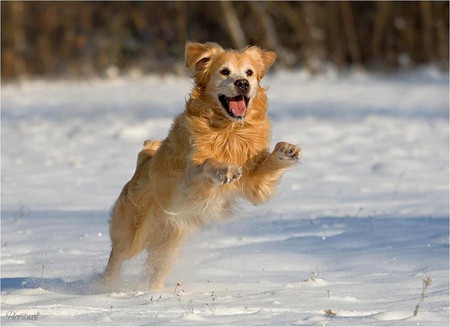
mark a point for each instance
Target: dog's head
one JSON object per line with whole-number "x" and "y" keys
{"x": 231, "y": 78}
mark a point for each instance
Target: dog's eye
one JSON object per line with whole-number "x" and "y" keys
{"x": 249, "y": 72}
{"x": 225, "y": 72}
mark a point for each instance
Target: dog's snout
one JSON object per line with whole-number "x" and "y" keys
{"x": 242, "y": 85}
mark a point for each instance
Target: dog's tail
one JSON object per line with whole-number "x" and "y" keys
{"x": 150, "y": 148}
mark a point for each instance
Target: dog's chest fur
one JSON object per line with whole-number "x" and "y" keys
{"x": 234, "y": 144}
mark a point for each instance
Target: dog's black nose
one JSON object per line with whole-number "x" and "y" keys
{"x": 243, "y": 85}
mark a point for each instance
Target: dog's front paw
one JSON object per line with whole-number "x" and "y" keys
{"x": 222, "y": 174}
{"x": 287, "y": 152}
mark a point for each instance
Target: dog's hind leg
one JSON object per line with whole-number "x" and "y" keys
{"x": 121, "y": 251}
{"x": 127, "y": 236}
{"x": 113, "y": 267}
{"x": 163, "y": 253}
{"x": 126, "y": 230}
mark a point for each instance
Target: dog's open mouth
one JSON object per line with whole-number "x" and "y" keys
{"x": 236, "y": 106}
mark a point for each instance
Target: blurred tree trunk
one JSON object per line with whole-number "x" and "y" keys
{"x": 427, "y": 30}
{"x": 18, "y": 41}
{"x": 382, "y": 17}
{"x": 44, "y": 47}
{"x": 350, "y": 32}
{"x": 270, "y": 40}
{"x": 232, "y": 25}
{"x": 315, "y": 23}
{"x": 337, "y": 43}
{"x": 295, "y": 20}
{"x": 181, "y": 21}
{"x": 442, "y": 34}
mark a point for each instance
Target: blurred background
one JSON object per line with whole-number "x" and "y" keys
{"x": 108, "y": 39}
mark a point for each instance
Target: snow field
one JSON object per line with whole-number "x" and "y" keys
{"x": 354, "y": 230}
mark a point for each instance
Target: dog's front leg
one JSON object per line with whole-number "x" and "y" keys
{"x": 201, "y": 180}
{"x": 262, "y": 179}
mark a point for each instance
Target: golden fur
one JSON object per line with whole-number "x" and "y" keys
{"x": 208, "y": 160}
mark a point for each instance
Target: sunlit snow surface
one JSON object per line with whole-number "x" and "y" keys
{"x": 348, "y": 240}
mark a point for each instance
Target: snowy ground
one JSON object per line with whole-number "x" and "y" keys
{"x": 353, "y": 232}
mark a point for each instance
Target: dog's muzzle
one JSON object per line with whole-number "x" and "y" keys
{"x": 236, "y": 106}
{"x": 243, "y": 86}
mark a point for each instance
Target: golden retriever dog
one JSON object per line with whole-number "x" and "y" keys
{"x": 216, "y": 152}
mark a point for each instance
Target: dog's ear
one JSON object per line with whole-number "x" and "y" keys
{"x": 198, "y": 55}
{"x": 265, "y": 59}
{"x": 268, "y": 58}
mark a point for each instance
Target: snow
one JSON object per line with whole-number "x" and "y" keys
{"x": 348, "y": 240}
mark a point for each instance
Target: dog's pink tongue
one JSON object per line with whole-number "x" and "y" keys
{"x": 237, "y": 106}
